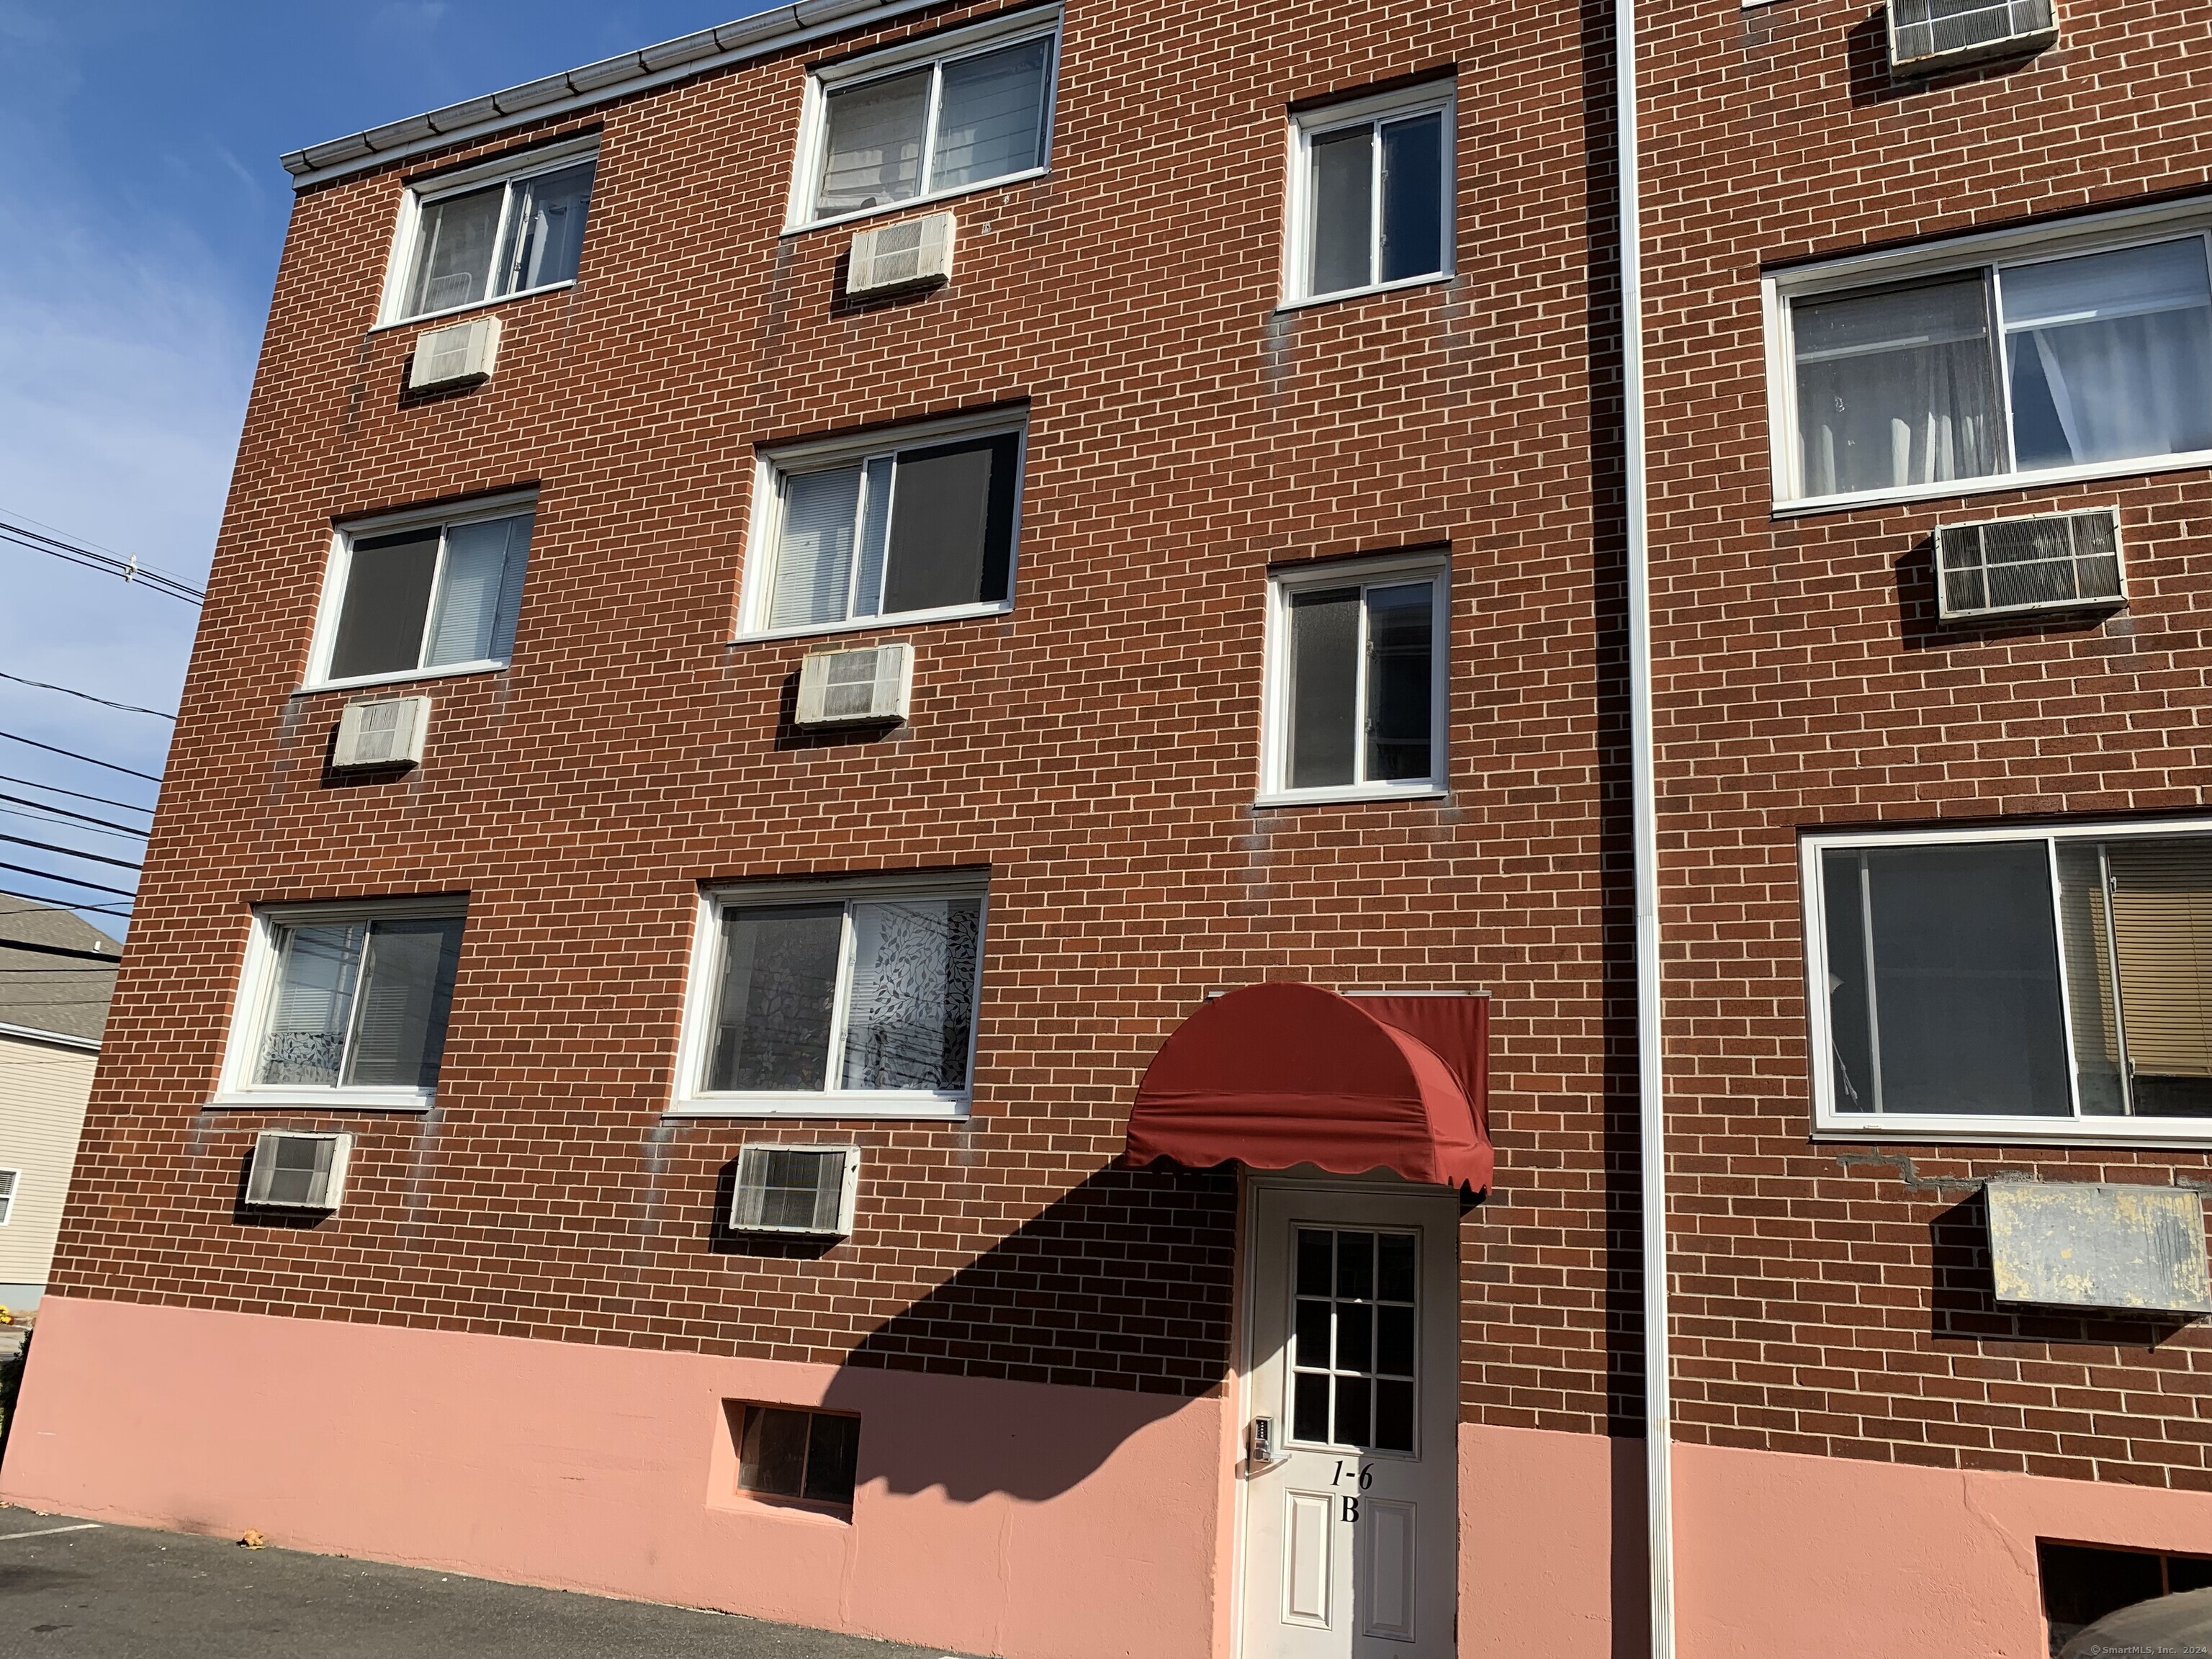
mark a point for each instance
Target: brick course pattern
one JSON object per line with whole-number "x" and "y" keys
{"x": 1097, "y": 749}
{"x": 1831, "y": 1298}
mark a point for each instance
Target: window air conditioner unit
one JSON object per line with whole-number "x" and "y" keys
{"x": 2059, "y": 562}
{"x": 293, "y": 1170}
{"x": 381, "y": 732}
{"x": 1927, "y": 37}
{"x": 915, "y": 254}
{"x": 804, "y": 1191}
{"x": 455, "y": 355}
{"x": 856, "y": 688}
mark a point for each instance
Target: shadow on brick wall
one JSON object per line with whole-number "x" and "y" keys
{"x": 1124, "y": 1284}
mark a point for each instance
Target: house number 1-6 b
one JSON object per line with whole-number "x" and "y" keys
{"x": 1365, "y": 1477}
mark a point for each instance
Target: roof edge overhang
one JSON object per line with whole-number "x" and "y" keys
{"x": 573, "y": 90}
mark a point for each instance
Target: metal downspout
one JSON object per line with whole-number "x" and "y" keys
{"x": 1658, "y": 1426}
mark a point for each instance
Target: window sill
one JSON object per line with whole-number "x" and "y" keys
{"x": 451, "y": 312}
{"x": 326, "y": 1100}
{"x": 863, "y": 624}
{"x": 406, "y": 676}
{"x": 1433, "y": 280}
{"x": 838, "y": 1103}
{"x": 1995, "y": 484}
{"x": 805, "y": 1512}
{"x": 910, "y": 202}
{"x": 1901, "y": 1128}
{"x": 1365, "y": 797}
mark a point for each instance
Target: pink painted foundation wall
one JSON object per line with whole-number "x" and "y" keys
{"x": 992, "y": 1517}
{"x": 1813, "y": 1558}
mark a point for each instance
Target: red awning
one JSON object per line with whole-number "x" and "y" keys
{"x": 1277, "y": 1075}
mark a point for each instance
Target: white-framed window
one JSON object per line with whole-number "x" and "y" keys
{"x": 838, "y": 999}
{"x": 2019, "y": 984}
{"x": 1372, "y": 194}
{"x": 344, "y": 1005}
{"x": 1354, "y": 701}
{"x": 928, "y": 118}
{"x": 415, "y": 596}
{"x": 913, "y": 523}
{"x": 511, "y": 226}
{"x": 10, "y": 1182}
{"x": 1993, "y": 362}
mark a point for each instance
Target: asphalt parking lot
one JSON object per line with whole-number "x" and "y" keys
{"x": 69, "y": 1587}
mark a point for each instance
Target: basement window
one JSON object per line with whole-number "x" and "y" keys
{"x": 2082, "y": 1582}
{"x": 2044, "y": 984}
{"x": 807, "y": 1456}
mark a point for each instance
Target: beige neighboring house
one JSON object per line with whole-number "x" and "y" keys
{"x": 53, "y": 1005}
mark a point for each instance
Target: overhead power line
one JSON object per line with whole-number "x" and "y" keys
{"x": 51, "y": 903}
{"x": 7, "y": 944}
{"x": 70, "y": 851}
{"x": 33, "y": 742}
{"x": 130, "y": 570}
{"x": 72, "y": 881}
{"x": 104, "y": 702}
{"x": 64, "y": 812}
{"x": 74, "y": 794}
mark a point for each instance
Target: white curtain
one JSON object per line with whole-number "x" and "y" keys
{"x": 2113, "y": 348}
{"x": 1894, "y": 388}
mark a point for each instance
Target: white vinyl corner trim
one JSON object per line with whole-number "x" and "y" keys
{"x": 1650, "y": 1063}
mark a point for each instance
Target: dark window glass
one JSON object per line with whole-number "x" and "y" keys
{"x": 833, "y": 1451}
{"x": 1310, "y": 1407}
{"x": 1393, "y": 1341}
{"x": 1324, "y": 670}
{"x": 1316, "y": 1272}
{"x": 1394, "y": 1258}
{"x": 1394, "y": 1416}
{"x": 545, "y": 229}
{"x": 1355, "y": 1265}
{"x": 388, "y": 599}
{"x": 1313, "y": 1331}
{"x": 1343, "y": 209}
{"x": 1354, "y": 1424}
{"x": 1355, "y": 1337}
{"x": 779, "y": 989}
{"x": 952, "y": 522}
{"x": 774, "y": 1456}
{"x": 1401, "y": 681}
{"x": 1412, "y": 198}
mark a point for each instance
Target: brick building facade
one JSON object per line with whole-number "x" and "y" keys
{"x": 540, "y": 1338}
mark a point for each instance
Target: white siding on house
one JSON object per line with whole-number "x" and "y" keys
{"x": 43, "y": 1090}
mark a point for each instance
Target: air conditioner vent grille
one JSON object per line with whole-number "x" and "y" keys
{"x": 856, "y": 687}
{"x": 915, "y": 253}
{"x": 1926, "y": 36}
{"x": 294, "y": 1170}
{"x": 455, "y": 355}
{"x": 2062, "y": 561}
{"x": 804, "y": 1190}
{"x": 380, "y": 731}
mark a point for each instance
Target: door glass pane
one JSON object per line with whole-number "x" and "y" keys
{"x": 483, "y": 561}
{"x": 1353, "y": 1321}
{"x": 779, "y": 989}
{"x": 912, "y": 1006}
{"x": 407, "y": 987}
{"x": 1895, "y": 388}
{"x": 1412, "y": 198}
{"x": 453, "y": 250}
{"x": 317, "y": 972}
{"x": 545, "y": 234}
{"x": 814, "y": 553}
{"x": 1343, "y": 209}
{"x": 2111, "y": 355}
{"x": 1966, "y": 1011}
{"x": 1400, "y": 680}
{"x": 873, "y": 152}
{"x": 1324, "y": 690}
{"x": 990, "y": 115}
{"x": 388, "y": 599}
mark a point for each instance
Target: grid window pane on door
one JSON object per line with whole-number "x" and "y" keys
{"x": 1354, "y": 1320}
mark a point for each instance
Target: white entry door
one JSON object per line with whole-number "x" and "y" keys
{"x": 1351, "y": 1538}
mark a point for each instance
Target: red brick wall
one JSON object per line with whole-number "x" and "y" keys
{"x": 1827, "y": 1294}
{"x": 1097, "y": 749}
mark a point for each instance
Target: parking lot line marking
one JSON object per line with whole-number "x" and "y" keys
{"x": 47, "y": 1532}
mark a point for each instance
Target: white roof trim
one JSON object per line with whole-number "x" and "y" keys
{"x": 59, "y": 1039}
{"x": 757, "y": 36}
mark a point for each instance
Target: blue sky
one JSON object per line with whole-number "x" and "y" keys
{"x": 140, "y": 218}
